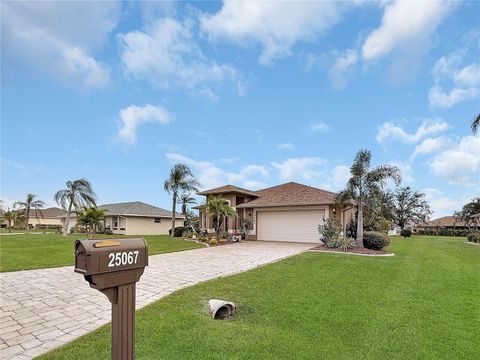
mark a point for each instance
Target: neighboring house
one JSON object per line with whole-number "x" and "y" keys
{"x": 448, "y": 222}
{"x": 134, "y": 218}
{"x": 287, "y": 212}
{"x": 49, "y": 216}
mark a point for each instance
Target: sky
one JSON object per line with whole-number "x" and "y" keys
{"x": 247, "y": 93}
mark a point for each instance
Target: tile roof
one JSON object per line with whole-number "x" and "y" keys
{"x": 290, "y": 194}
{"x": 136, "y": 208}
{"x": 228, "y": 189}
{"x": 444, "y": 221}
{"x": 52, "y": 212}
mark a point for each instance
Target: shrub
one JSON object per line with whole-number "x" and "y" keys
{"x": 406, "y": 233}
{"x": 188, "y": 234}
{"x": 222, "y": 234}
{"x": 213, "y": 242}
{"x": 345, "y": 244}
{"x": 330, "y": 231}
{"x": 203, "y": 238}
{"x": 179, "y": 231}
{"x": 375, "y": 240}
{"x": 474, "y": 237}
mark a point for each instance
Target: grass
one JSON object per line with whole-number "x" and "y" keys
{"x": 38, "y": 251}
{"x": 421, "y": 303}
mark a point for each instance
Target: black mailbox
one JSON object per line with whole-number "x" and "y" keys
{"x": 114, "y": 266}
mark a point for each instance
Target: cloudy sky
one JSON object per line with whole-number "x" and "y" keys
{"x": 252, "y": 94}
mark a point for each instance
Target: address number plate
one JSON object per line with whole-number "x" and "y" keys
{"x": 123, "y": 258}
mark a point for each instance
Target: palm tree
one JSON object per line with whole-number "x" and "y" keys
{"x": 91, "y": 218}
{"x": 218, "y": 206}
{"x": 27, "y": 205}
{"x": 476, "y": 124}
{"x": 185, "y": 200}
{"x": 10, "y": 216}
{"x": 181, "y": 179}
{"x": 365, "y": 181}
{"x": 78, "y": 194}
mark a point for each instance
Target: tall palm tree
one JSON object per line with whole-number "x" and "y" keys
{"x": 180, "y": 179}
{"x": 476, "y": 124}
{"x": 79, "y": 194}
{"x": 184, "y": 200}
{"x": 29, "y": 204}
{"x": 365, "y": 181}
{"x": 216, "y": 205}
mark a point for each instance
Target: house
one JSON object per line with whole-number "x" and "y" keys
{"x": 134, "y": 218}
{"x": 43, "y": 217}
{"x": 287, "y": 212}
{"x": 448, "y": 222}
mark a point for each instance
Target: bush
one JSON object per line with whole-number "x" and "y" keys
{"x": 213, "y": 242}
{"x": 179, "y": 231}
{"x": 345, "y": 244}
{"x": 375, "y": 240}
{"x": 330, "y": 231}
{"x": 188, "y": 234}
{"x": 474, "y": 237}
{"x": 406, "y": 233}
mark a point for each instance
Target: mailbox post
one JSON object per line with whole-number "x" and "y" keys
{"x": 114, "y": 266}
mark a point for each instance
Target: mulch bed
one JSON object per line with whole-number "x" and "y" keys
{"x": 359, "y": 251}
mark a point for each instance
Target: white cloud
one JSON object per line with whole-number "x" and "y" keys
{"x": 461, "y": 163}
{"x": 389, "y": 131}
{"x": 38, "y": 35}
{"x": 464, "y": 81}
{"x": 133, "y": 116}
{"x": 166, "y": 54}
{"x": 318, "y": 126}
{"x": 286, "y": 146}
{"x": 342, "y": 68}
{"x": 430, "y": 144}
{"x": 211, "y": 176}
{"x": 443, "y": 205}
{"x": 406, "y": 25}
{"x": 308, "y": 168}
{"x": 277, "y": 26}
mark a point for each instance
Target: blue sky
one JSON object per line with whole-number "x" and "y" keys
{"x": 253, "y": 94}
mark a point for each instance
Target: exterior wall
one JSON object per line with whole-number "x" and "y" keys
{"x": 71, "y": 224}
{"x": 45, "y": 221}
{"x": 146, "y": 225}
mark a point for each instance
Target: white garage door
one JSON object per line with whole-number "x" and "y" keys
{"x": 296, "y": 226}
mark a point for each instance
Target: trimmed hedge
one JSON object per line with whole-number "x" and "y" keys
{"x": 179, "y": 231}
{"x": 443, "y": 232}
{"x": 375, "y": 240}
{"x": 474, "y": 237}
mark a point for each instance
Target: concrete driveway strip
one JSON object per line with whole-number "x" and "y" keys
{"x": 46, "y": 308}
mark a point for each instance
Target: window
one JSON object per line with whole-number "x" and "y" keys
{"x": 115, "y": 224}
{"x": 157, "y": 220}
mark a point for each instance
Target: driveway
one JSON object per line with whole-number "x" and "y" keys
{"x": 46, "y": 308}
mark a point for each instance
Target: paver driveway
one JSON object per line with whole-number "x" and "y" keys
{"x": 43, "y": 309}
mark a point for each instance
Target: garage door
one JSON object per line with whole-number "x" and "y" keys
{"x": 296, "y": 226}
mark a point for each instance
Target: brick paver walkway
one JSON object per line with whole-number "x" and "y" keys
{"x": 43, "y": 309}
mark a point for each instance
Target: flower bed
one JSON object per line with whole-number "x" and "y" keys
{"x": 355, "y": 250}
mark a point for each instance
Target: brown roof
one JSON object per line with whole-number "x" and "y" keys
{"x": 228, "y": 189}
{"x": 444, "y": 221}
{"x": 290, "y": 194}
{"x": 47, "y": 213}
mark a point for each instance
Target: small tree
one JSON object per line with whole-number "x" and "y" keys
{"x": 10, "y": 216}
{"x": 78, "y": 195}
{"x": 245, "y": 225}
{"x": 330, "y": 231}
{"x": 409, "y": 207}
{"x": 29, "y": 204}
{"x": 218, "y": 206}
{"x": 468, "y": 211}
{"x": 365, "y": 181}
{"x": 91, "y": 218}
{"x": 180, "y": 179}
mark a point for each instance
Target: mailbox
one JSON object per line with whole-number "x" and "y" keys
{"x": 114, "y": 266}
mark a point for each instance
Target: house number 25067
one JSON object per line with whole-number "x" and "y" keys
{"x": 123, "y": 258}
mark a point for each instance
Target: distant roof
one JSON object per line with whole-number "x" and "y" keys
{"x": 52, "y": 212}
{"x": 290, "y": 194}
{"x": 136, "y": 208}
{"x": 228, "y": 189}
{"x": 444, "y": 221}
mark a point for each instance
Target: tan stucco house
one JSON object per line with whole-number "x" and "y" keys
{"x": 287, "y": 212}
{"x": 49, "y": 216}
{"x": 135, "y": 218}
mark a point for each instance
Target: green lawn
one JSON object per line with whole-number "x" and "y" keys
{"x": 422, "y": 303}
{"x": 37, "y": 251}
